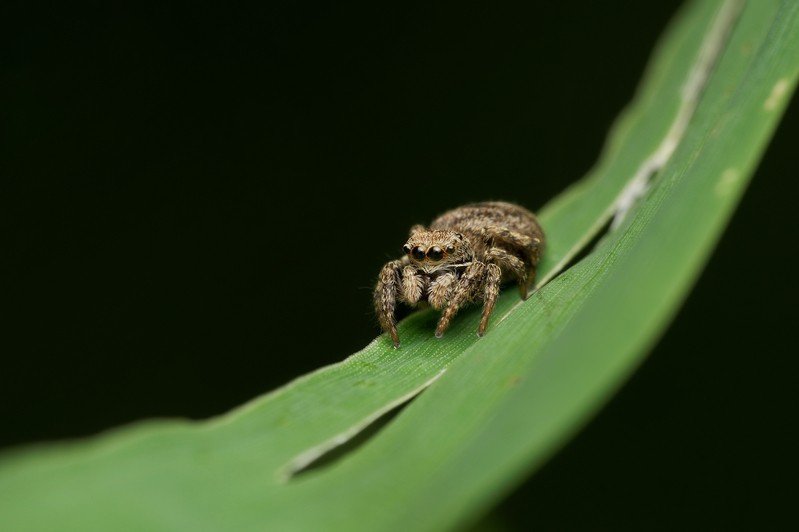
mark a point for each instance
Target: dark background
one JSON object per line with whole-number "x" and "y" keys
{"x": 190, "y": 193}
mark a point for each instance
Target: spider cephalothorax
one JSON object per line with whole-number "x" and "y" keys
{"x": 463, "y": 256}
{"x": 434, "y": 250}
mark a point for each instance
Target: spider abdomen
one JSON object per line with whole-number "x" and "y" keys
{"x": 496, "y": 224}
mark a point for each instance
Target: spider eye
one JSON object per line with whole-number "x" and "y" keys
{"x": 435, "y": 253}
{"x": 406, "y": 248}
{"x": 418, "y": 253}
{"x": 450, "y": 249}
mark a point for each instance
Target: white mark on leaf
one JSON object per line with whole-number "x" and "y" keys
{"x": 729, "y": 178}
{"x": 776, "y": 96}
{"x": 690, "y": 93}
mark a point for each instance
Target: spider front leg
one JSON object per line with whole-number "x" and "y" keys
{"x": 385, "y": 297}
{"x": 441, "y": 289}
{"x": 412, "y": 285}
{"x": 463, "y": 292}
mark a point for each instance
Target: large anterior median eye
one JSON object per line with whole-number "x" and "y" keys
{"x": 418, "y": 253}
{"x": 435, "y": 253}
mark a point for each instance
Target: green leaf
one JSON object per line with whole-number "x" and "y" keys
{"x": 494, "y": 408}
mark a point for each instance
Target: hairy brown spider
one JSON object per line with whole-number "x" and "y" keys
{"x": 462, "y": 257}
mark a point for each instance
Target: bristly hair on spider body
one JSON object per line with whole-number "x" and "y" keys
{"x": 462, "y": 257}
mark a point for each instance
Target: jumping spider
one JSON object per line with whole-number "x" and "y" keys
{"x": 462, "y": 257}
